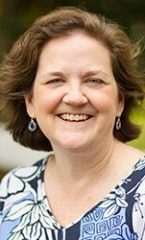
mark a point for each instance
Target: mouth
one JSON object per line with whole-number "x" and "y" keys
{"x": 74, "y": 117}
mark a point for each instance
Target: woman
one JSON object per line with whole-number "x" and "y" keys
{"x": 69, "y": 85}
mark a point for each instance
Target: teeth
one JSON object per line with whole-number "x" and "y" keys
{"x": 74, "y": 117}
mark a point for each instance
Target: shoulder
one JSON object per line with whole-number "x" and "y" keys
{"x": 127, "y": 155}
{"x": 18, "y": 183}
{"x": 13, "y": 182}
{"x": 20, "y": 191}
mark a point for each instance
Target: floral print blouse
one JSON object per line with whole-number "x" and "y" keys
{"x": 25, "y": 213}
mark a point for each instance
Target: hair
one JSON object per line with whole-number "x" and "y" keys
{"x": 19, "y": 67}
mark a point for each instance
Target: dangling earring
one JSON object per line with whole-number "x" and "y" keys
{"x": 118, "y": 123}
{"x": 32, "y": 126}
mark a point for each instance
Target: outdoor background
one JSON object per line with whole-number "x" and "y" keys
{"x": 16, "y": 16}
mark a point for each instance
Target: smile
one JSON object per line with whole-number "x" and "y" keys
{"x": 74, "y": 117}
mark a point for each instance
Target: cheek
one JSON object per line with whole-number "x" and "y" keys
{"x": 47, "y": 100}
{"x": 104, "y": 102}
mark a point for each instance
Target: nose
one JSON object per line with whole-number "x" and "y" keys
{"x": 75, "y": 97}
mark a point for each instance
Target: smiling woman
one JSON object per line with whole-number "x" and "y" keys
{"x": 75, "y": 93}
{"x": 69, "y": 85}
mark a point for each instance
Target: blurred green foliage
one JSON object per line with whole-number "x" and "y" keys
{"x": 16, "y": 15}
{"x": 138, "y": 117}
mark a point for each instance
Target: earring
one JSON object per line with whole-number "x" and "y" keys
{"x": 32, "y": 126}
{"x": 118, "y": 123}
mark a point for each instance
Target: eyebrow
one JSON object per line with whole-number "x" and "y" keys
{"x": 55, "y": 73}
{"x": 95, "y": 72}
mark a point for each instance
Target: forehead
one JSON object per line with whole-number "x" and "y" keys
{"x": 76, "y": 42}
{"x": 75, "y": 52}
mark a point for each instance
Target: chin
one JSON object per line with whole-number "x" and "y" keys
{"x": 75, "y": 145}
{"x": 72, "y": 142}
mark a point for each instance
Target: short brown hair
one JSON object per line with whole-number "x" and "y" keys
{"x": 19, "y": 68}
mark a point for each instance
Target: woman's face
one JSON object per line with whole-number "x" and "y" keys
{"x": 75, "y": 96}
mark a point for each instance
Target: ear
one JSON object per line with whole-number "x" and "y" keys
{"x": 30, "y": 105}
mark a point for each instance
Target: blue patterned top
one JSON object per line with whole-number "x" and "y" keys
{"x": 25, "y": 213}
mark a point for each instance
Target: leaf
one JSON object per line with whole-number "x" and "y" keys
{"x": 20, "y": 209}
{"x": 25, "y": 220}
{"x": 16, "y": 236}
{"x": 15, "y": 185}
{"x": 43, "y": 210}
{"x": 33, "y": 231}
{"x": 35, "y": 214}
{"x": 110, "y": 211}
{"x": 121, "y": 202}
{"x": 26, "y": 172}
{"x": 4, "y": 186}
{"x": 107, "y": 203}
{"x": 47, "y": 222}
{"x": 126, "y": 232}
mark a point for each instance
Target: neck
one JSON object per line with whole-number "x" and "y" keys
{"x": 72, "y": 166}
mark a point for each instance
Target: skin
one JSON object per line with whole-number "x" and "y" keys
{"x": 75, "y": 77}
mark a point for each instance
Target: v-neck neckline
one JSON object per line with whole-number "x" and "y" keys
{"x": 77, "y": 220}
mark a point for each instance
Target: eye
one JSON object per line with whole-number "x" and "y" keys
{"x": 95, "y": 81}
{"x": 55, "y": 81}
